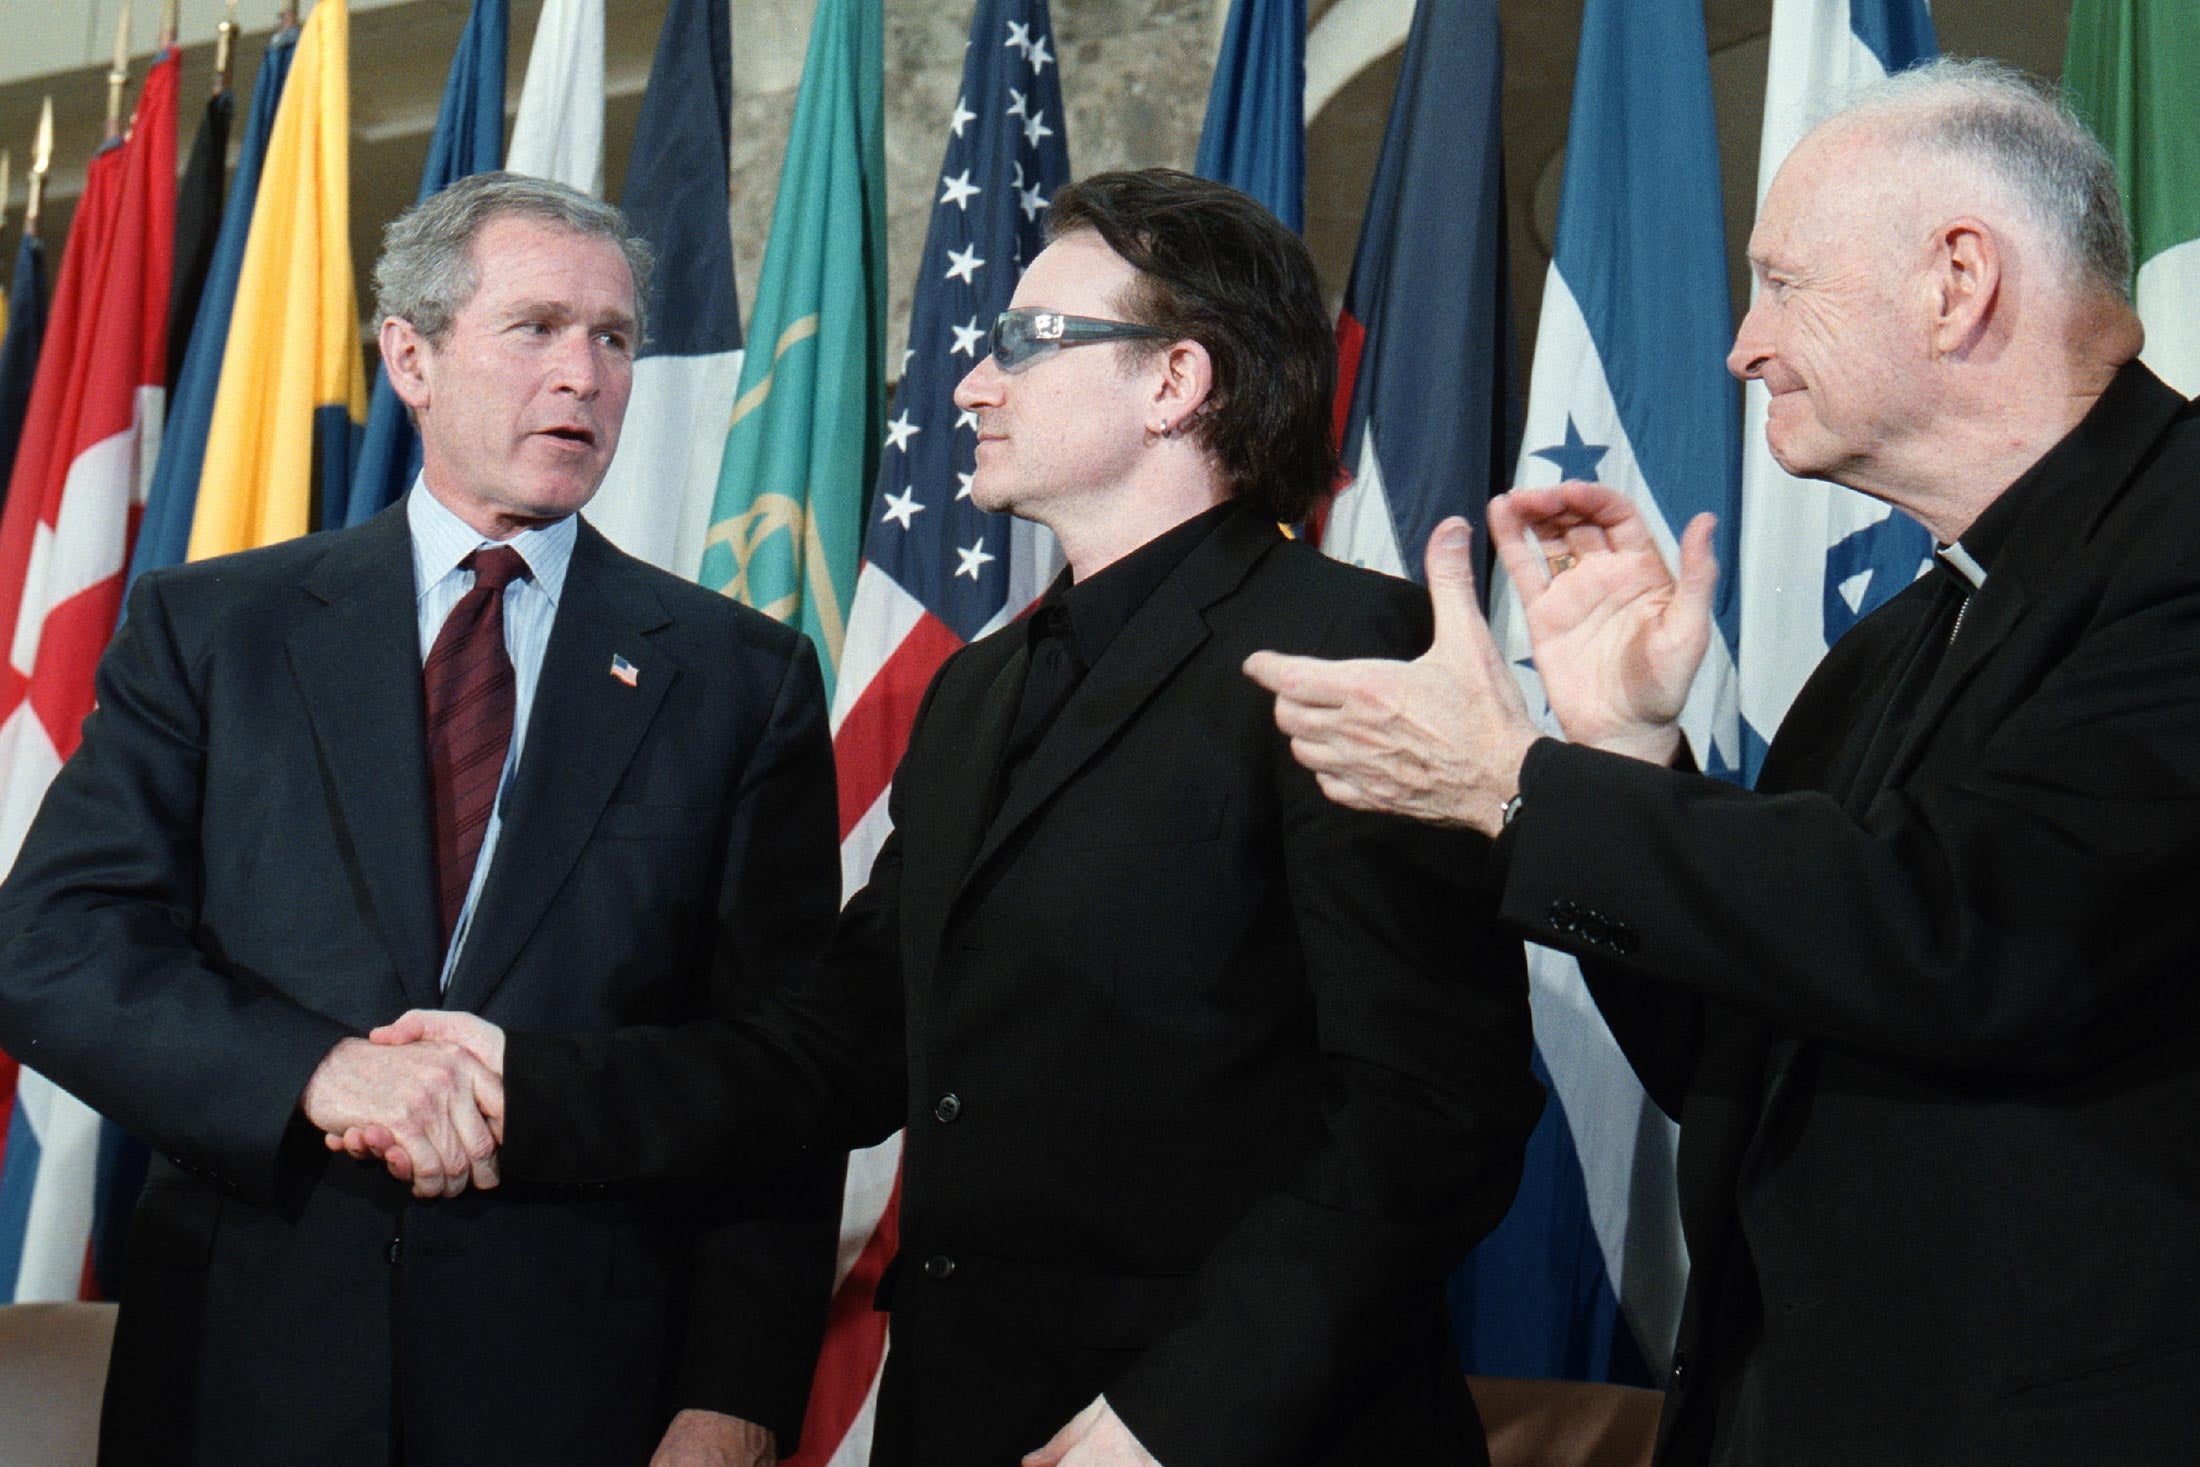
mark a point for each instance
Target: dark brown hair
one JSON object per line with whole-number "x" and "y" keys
{"x": 1216, "y": 268}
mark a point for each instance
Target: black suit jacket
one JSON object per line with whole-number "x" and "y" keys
{"x": 235, "y": 871}
{"x": 1933, "y": 1035}
{"x": 1208, "y": 1082}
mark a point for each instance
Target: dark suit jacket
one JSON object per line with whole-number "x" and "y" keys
{"x": 234, "y": 873}
{"x": 1937, "y": 1081}
{"x": 1208, "y": 1082}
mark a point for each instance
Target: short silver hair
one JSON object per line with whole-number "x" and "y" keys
{"x": 1993, "y": 119}
{"x": 427, "y": 272}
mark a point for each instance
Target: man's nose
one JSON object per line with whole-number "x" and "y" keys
{"x": 578, "y": 366}
{"x": 980, "y": 385}
{"x": 1752, "y": 343}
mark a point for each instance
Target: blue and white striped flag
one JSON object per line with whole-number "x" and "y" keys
{"x": 1815, "y": 557}
{"x": 558, "y": 131}
{"x": 656, "y": 500}
{"x": 1629, "y": 388}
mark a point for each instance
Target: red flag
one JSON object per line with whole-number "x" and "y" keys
{"x": 88, "y": 446}
{"x": 73, "y": 504}
{"x": 76, "y": 295}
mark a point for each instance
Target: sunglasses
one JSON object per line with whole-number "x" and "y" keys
{"x": 1026, "y": 334}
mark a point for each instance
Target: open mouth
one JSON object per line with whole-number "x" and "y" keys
{"x": 578, "y": 437}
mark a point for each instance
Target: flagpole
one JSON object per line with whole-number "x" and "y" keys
{"x": 7, "y": 162}
{"x": 118, "y": 77}
{"x": 167, "y": 26}
{"x": 41, "y": 161}
{"x": 225, "y": 49}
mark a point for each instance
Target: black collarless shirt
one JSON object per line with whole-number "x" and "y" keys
{"x": 1075, "y": 623}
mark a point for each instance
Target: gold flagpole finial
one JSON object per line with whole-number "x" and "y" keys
{"x": 41, "y": 161}
{"x": 118, "y": 79}
{"x": 225, "y": 49}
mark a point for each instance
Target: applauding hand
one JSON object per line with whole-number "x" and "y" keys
{"x": 1617, "y": 637}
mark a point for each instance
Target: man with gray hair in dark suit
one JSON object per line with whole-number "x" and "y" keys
{"x": 1924, "y": 1001}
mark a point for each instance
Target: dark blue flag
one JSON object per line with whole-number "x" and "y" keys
{"x": 1254, "y": 137}
{"x": 1425, "y": 344}
{"x": 469, "y": 138}
{"x": 198, "y": 225}
{"x": 165, "y": 533}
{"x": 19, "y": 353}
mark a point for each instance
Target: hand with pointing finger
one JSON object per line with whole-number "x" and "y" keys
{"x": 1617, "y": 636}
{"x": 1440, "y": 738}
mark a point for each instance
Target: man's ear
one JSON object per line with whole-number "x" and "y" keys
{"x": 1185, "y": 382}
{"x": 405, "y": 358}
{"x": 1965, "y": 283}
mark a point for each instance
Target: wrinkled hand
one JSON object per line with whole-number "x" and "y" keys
{"x": 1094, "y": 1437}
{"x": 427, "y": 1101}
{"x": 1440, "y": 738}
{"x": 431, "y": 1029}
{"x": 712, "y": 1439}
{"x": 1617, "y": 637}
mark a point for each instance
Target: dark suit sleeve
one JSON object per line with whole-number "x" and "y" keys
{"x": 764, "y": 1257}
{"x": 2020, "y": 903}
{"x": 819, "y": 1067}
{"x": 1420, "y": 1008}
{"x": 102, "y": 987}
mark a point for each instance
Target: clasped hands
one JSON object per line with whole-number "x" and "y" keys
{"x": 1617, "y": 638}
{"x": 423, "y": 1095}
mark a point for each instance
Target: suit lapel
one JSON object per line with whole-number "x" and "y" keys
{"x": 968, "y": 726}
{"x": 357, "y": 662}
{"x": 582, "y": 732}
{"x": 1157, "y": 639}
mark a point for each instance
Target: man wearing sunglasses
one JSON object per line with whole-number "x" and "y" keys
{"x": 1208, "y": 1081}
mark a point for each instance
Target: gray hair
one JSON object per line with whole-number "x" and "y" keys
{"x": 1995, "y": 120}
{"x": 427, "y": 271}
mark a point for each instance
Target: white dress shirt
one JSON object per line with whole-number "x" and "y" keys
{"x": 440, "y": 540}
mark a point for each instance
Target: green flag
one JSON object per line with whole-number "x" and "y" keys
{"x": 2130, "y": 72}
{"x": 786, "y": 526}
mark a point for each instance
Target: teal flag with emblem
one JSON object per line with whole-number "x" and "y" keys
{"x": 787, "y": 524}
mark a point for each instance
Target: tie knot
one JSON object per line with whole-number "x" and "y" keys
{"x": 496, "y": 567}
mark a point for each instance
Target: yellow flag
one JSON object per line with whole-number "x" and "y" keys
{"x": 293, "y": 385}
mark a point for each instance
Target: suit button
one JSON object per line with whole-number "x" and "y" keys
{"x": 939, "y": 1266}
{"x": 950, "y": 1106}
{"x": 1680, "y": 1369}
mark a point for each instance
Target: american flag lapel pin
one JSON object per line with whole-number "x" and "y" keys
{"x": 625, "y": 671}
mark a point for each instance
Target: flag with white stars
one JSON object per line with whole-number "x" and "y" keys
{"x": 937, "y": 572}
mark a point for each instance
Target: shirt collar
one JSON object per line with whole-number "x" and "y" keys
{"x": 440, "y": 540}
{"x": 1097, "y": 607}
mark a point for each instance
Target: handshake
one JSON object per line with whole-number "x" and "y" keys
{"x": 423, "y": 1095}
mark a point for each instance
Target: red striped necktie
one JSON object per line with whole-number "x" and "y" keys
{"x": 470, "y": 695}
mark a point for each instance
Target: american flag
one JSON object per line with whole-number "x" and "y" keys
{"x": 937, "y": 573}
